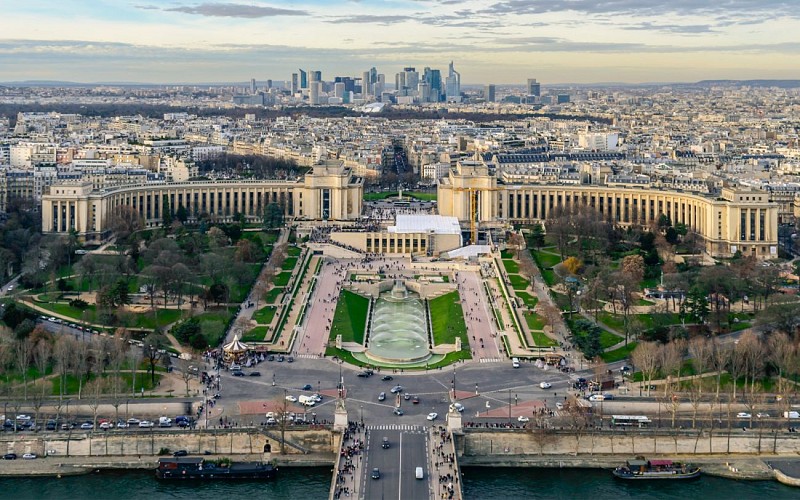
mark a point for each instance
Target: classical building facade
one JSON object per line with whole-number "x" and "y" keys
{"x": 734, "y": 220}
{"x": 328, "y": 192}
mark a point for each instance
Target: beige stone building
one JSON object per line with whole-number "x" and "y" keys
{"x": 736, "y": 220}
{"x": 328, "y": 192}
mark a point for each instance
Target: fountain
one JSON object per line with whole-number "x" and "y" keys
{"x": 399, "y": 331}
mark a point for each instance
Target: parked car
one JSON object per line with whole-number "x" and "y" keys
{"x": 87, "y": 426}
{"x": 271, "y": 357}
{"x": 291, "y": 398}
{"x": 281, "y": 358}
{"x": 133, "y": 421}
{"x": 180, "y": 453}
{"x": 144, "y": 424}
{"x": 596, "y": 397}
{"x": 255, "y": 374}
{"x": 237, "y": 373}
{"x": 762, "y": 415}
{"x": 10, "y": 456}
{"x": 122, "y": 424}
{"x": 30, "y": 456}
{"x": 106, "y": 425}
{"x": 743, "y": 414}
{"x": 523, "y": 419}
{"x": 290, "y": 359}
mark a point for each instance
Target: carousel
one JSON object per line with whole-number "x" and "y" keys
{"x": 235, "y": 351}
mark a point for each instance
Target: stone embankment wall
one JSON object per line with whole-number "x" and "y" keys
{"x": 115, "y": 443}
{"x": 517, "y": 444}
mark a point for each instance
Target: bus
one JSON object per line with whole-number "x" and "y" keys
{"x": 630, "y": 420}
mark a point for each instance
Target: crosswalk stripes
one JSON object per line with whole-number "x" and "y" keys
{"x": 491, "y": 360}
{"x": 307, "y": 356}
{"x": 394, "y": 427}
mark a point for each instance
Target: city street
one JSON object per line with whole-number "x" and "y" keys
{"x": 407, "y": 450}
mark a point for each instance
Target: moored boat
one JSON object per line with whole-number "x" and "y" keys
{"x": 656, "y": 469}
{"x": 199, "y": 468}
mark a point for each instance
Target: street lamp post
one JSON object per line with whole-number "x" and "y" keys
{"x": 509, "y": 406}
{"x": 362, "y": 414}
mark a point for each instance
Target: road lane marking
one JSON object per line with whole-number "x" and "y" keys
{"x": 400, "y": 471}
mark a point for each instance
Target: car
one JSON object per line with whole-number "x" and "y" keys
{"x": 30, "y": 456}
{"x": 307, "y": 387}
{"x": 398, "y": 412}
{"x": 122, "y": 424}
{"x": 133, "y": 421}
{"x": 271, "y": 357}
{"x": 237, "y": 373}
{"x": 255, "y": 374}
{"x": 281, "y": 358}
{"x": 397, "y": 389}
{"x": 385, "y": 443}
{"x": 406, "y": 396}
{"x": 523, "y": 419}
{"x": 362, "y": 374}
{"x": 106, "y": 425}
{"x": 459, "y": 407}
{"x": 415, "y": 400}
{"x": 271, "y": 421}
{"x": 545, "y": 385}
{"x": 66, "y": 427}
{"x": 559, "y": 406}
{"x": 10, "y": 456}
{"x": 387, "y": 377}
{"x": 608, "y": 395}
{"x": 625, "y": 369}
{"x": 432, "y": 415}
{"x": 291, "y": 398}
{"x": 87, "y": 426}
{"x": 146, "y": 424}
{"x": 51, "y": 425}
{"x": 180, "y": 453}
{"x": 743, "y": 414}
{"x": 376, "y": 473}
{"x": 290, "y": 359}
{"x": 382, "y": 396}
{"x": 596, "y": 397}
{"x": 316, "y": 397}
{"x": 762, "y": 415}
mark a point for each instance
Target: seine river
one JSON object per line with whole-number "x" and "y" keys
{"x": 313, "y": 483}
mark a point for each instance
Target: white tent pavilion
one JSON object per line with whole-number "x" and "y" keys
{"x": 235, "y": 349}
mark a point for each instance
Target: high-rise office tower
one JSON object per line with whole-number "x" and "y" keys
{"x": 349, "y": 83}
{"x": 412, "y": 78}
{"x": 424, "y": 91}
{"x": 303, "y": 79}
{"x": 488, "y": 93}
{"x": 453, "y": 84}
{"x": 433, "y": 77}
{"x": 338, "y": 89}
{"x": 534, "y": 88}
{"x": 295, "y": 84}
{"x": 252, "y": 86}
{"x": 399, "y": 81}
{"x": 366, "y": 84}
{"x": 379, "y": 84}
{"x": 314, "y": 92}
{"x": 314, "y": 76}
{"x": 269, "y": 84}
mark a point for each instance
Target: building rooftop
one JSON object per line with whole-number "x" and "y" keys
{"x": 407, "y": 223}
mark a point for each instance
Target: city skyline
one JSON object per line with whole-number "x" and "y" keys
{"x": 503, "y": 41}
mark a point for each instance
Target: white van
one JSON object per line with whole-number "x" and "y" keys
{"x": 307, "y": 400}
{"x": 419, "y": 473}
{"x": 515, "y": 362}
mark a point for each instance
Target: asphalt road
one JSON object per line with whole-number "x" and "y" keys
{"x": 407, "y": 451}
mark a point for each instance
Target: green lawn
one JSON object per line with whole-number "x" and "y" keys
{"x": 511, "y": 266}
{"x": 618, "y": 354}
{"x": 289, "y": 263}
{"x": 518, "y": 282}
{"x": 535, "y": 322}
{"x": 447, "y": 319}
{"x": 507, "y": 254}
{"x": 148, "y": 320}
{"x": 613, "y": 321}
{"x": 607, "y": 339}
{"x": 545, "y": 259}
{"x": 542, "y": 340}
{"x": 214, "y": 323}
{"x": 549, "y": 277}
{"x": 272, "y": 296}
{"x": 350, "y": 317}
{"x": 257, "y": 334}
{"x": 282, "y": 279}
{"x": 293, "y": 251}
{"x": 529, "y": 300}
{"x": 644, "y": 302}
{"x": 264, "y": 315}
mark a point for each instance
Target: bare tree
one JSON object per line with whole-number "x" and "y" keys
{"x": 186, "y": 371}
{"x": 134, "y": 356}
{"x": 750, "y": 350}
{"x": 783, "y": 354}
{"x": 80, "y": 364}
{"x": 41, "y": 357}
{"x": 671, "y": 360}
{"x": 541, "y": 433}
{"x": 22, "y": 358}
{"x": 646, "y": 358}
{"x": 62, "y": 354}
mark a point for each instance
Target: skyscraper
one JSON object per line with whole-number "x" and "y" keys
{"x": 294, "y": 84}
{"x": 488, "y": 93}
{"x": 366, "y": 84}
{"x": 399, "y": 82}
{"x": 412, "y": 78}
{"x": 534, "y": 88}
{"x": 303, "y": 79}
{"x": 314, "y": 91}
{"x": 314, "y": 76}
{"x": 453, "y": 84}
{"x": 252, "y": 86}
{"x": 433, "y": 77}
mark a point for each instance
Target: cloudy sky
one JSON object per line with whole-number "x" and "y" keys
{"x": 497, "y": 41}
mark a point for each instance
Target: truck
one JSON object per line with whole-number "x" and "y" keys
{"x": 164, "y": 422}
{"x": 791, "y": 414}
{"x": 307, "y": 400}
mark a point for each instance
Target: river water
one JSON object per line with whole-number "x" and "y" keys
{"x": 313, "y": 483}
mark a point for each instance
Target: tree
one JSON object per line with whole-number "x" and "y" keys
{"x": 153, "y": 344}
{"x": 573, "y": 265}
{"x": 273, "y": 216}
{"x": 517, "y": 242}
{"x": 134, "y": 357}
{"x": 537, "y": 236}
{"x": 633, "y": 267}
{"x": 166, "y": 215}
{"x": 124, "y": 221}
{"x": 671, "y": 360}
{"x": 781, "y": 315}
{"x": 23, "y": 348}
{"x": 62, "y": 354}
{"x": 182, "y": 214}
{"x": 186, "y": 373}
{"x": 646, "y": 358}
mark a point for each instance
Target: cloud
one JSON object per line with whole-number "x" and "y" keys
{"x": 236, "y": 10}
{"x": 687, "y": 29}
{"x": 746, "y": 8}
{"x": 371, "y": 19}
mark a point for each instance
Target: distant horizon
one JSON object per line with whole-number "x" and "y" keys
{"x": 580, "y": 41}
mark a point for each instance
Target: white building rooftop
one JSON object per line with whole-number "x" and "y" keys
{"x": 438, "y": 224}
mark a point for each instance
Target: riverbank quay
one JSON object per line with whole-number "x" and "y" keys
{"x": 75, "y": 466}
